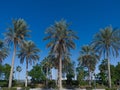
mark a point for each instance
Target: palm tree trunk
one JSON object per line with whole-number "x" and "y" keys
{"x": 58, "y": 77}
{"x": 47, "y": 78}
{"x": 26, "y": 73}
{"x": 109, "y": 73}
{"x": 50, "y": 73}
{"x": 89, "y": 77}
{"x": 12, "y": 66}
{"x": 19, "y": 77}
{"x": 60, "y": 73}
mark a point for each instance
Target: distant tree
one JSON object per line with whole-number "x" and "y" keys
{"x": 81, "y": 74}
{"x": 88, "y": 58}
{"x": 16, "y": 34}
{"x": 102, "y": 75}
{"x": 46, "y": 67}
{"x": 6, "y": 71}
{"x": 30, "y": 53}
{"x": 117, "y": 73}
{"x": 107, "y": 42}
{"x": 18, "y": 69}
{"x": 60, "y": 42}
{"x": 1, "y": 71}
{"x": 68, "y": 69}
{"x": 37, "y": 74}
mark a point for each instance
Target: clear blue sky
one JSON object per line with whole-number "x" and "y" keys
{"x": 86, "y": 16}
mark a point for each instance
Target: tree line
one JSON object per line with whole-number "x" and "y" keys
{"x": 60, "y": 40}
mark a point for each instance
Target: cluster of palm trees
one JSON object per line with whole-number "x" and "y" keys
{"x": 25, "y": 50}
{"x": 60, "y": 41}
{"x": 105, "y": 44}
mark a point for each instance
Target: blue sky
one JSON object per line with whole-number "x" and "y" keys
{"x": 86, "y": 16}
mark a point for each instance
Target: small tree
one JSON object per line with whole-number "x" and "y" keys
{"x": 18, "y": 69}
{"x": 37, "y": 74}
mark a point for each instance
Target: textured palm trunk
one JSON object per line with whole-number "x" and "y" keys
{"x": 57, "y": 79}
{"x": 26, "y": 81}
{"x": 89, "y": 77}
{"x": 51, "y": 74}
{"x": 12, "y": 67}
{"x": 47, "y": 78}
{"x": 109, "y": 73}
{"x": 60, "y": 73}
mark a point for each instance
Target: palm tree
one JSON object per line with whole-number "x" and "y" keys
{"x": 88, "y": 58}
{"x": 107, "y": 42}
{"x": 60, "y": 42}
{"x": 46, "y": 66}
{"x": 18, "y": 69}
{"x": 3, "y": 51}
{"x": 28, "y": 52}
{"x": 16, "y": 34}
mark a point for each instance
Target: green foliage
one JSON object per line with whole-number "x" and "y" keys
{"x": 111, "y": 88}
{"x": 3, "y": 83}
{"x": 107, "y": 42}
{"x": 102, "y": 76}
{"x": 14, "y": 88}
{"x": 37, "y": 74}
{"x": 69, "y": 76}
{"x": 18, "y": 69}
{"x": 46, "y": 66}
{"x": 5, "y": 71}
{"x": 52, "y": 84}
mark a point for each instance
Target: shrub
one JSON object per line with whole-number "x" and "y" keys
{"x": 52, "y": 84}
{"x": 3, "y": 83}
{"x": 111, "y": 89}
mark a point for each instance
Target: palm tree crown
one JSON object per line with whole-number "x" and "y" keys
{"x": 61, "y": 38}
{"x": 88, "y": 55}
{"x": 107, "y": 40}
{"x": 3, "y": 51}
{"x": 28, "y": 52}
{"x": 17, "y": 32}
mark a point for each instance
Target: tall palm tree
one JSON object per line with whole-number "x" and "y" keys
{"x": 30, "y": 53}
{"x": 16, "y": 34}
{"x": 60, "y": 42}
{"x": 107, "y": 42}
{"x": 3, "y": 51}
{"x": 88, "y": 58}
{"x": 18, "y": 69}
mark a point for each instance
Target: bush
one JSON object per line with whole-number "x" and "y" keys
{"x": 5, "y": 88}
{"x": 14, "y": 88}
{"x": 3, "y": 83}
{"x": 52, "y": 84}
{"x": 111, "y": 89}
